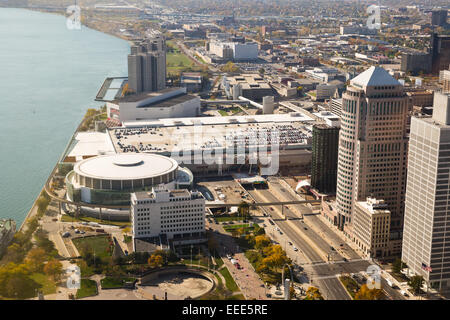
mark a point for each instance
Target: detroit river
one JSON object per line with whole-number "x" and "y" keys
{"x": 49, "y": 76}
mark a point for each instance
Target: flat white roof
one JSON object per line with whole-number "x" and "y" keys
{"x": 262, "y": 118}
{"x": 91, "y": 144}
{"x": 126, "y": 166}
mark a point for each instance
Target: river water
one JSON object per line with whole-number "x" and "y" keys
{"x": 49, "y": 76}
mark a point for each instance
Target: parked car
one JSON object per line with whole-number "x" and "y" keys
{"x": 295, "y": 249}
{"x": 66, "y": 234}
{"x": 290, "y": 243}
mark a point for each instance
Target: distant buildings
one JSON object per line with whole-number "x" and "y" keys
{"x": 347, "y": 30}
{"x": 373, "y": 149}
{"x": 172, "y": 216}
{"x": 147, "y": 66}
{"x": 335, "y": 106}
{"x": 250, "y": 86}
{"x": 426, "y": 248}
{"x": 325, "y": 144}
{"x": 324, "y": 92}
{"x": 439, "y": 17}
{"x": 192, "y": 81}
{"x": 416, "y": 62}
{"x": 234, "y": 50}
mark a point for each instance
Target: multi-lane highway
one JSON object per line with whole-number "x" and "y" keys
{"x": 325, "y": 263}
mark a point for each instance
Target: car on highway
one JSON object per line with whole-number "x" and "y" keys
{"x": 295, "y": 249}
{"x": 305, "y": 228}
{"x": 344, "y": 259}
{"x": 66, "y": 235}
{"x": 290, "y": 243}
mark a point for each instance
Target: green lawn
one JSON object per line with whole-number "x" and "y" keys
{"x": 99, "y": 244}
{"x": 223, "y": 113}
{"x": 229, "y": 281}
{"x": 111, "y": 283}
{"x": 228, "y": 218}
{"x": 88, "y": 288}
{"x": 177, "y": 61}
{"x": 48, "y": 286}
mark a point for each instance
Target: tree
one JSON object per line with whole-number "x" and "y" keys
{"x": 416, "y": 283}
{"x": 397, "y": 265}
{"x": 35, "y": 259}
{"x": 275, "y": 257}
{"x": 14, "y": 253}
{"x": 155, "y": 261}
{"x": 15, "y": 281}
{"x": 230, "y": 67}
{"x": 54, "y": 269}
{"x": 313, "y": 293}
{"x": 365, "y": 293}
{"x": 244, "y": 209}
{"x": 261, "y": 242}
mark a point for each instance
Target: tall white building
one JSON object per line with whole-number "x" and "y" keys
{"x": 177, "y": 216}
{"x": 426, "y": 235}
{"x": 373, "y": 148}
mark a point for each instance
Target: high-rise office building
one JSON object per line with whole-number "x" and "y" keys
{"x": 439, "y": 17}
{"x": 440, "y": 52}
{"x": 426, "y": 235}
{"x": 147, "y": 66}
{"x": 324, "y": 158}
{"x": 373, "y": 148}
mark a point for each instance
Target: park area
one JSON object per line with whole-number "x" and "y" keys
{"x": 177, "y": 61}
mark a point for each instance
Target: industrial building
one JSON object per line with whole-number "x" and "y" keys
{"x": 167, "y": 103}
{"x": 174, "y": 217}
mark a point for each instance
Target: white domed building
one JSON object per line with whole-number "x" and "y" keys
{"x": 109, "y": 179}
